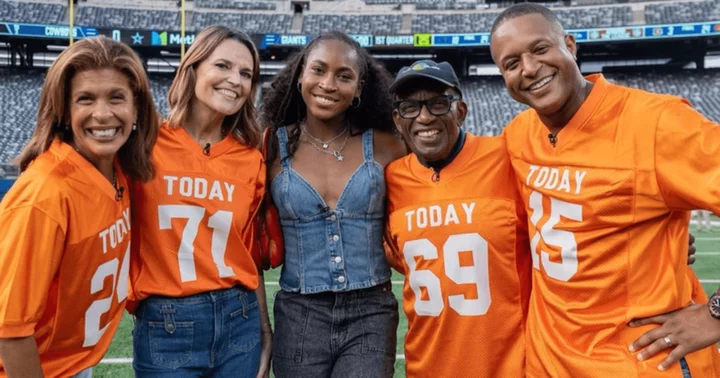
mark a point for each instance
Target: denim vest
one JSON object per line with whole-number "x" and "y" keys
{"x": 327, "y": 249}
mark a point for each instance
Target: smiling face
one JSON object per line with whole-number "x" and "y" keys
{"x": 224, "y": 79}
{"x": 537, "y": 61}
{"x": 429, "y": 136}
{"x": 330, "y": 79}
{"x": 102, "y": 113}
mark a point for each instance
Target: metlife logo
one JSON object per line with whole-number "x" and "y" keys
{"x": 172, "y": 39}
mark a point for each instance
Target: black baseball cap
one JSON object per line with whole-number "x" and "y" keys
{"x": 429, "y": 69}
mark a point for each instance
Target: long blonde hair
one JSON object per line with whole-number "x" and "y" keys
{"x": 53, "y": 118}
{"x": 242, "y": 125}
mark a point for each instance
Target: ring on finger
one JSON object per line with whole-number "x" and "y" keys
{"x": 667, "y": 340}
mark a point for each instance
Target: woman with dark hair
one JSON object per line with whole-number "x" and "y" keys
{"x": 201, "y": 306}
{"x": 64, "y": 225}
{"x": 330, "y": 117}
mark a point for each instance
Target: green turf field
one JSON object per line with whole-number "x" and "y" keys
{"x": 117, "y": 360}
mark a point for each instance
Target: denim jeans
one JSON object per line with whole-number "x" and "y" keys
{"x": 87, "y": 373}
{"x": 349, "y": 334}
{"x": 214, "y": 333}
{"x": 685, "y": 368}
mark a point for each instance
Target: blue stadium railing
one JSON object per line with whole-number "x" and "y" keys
{"x": 5, "y": 184}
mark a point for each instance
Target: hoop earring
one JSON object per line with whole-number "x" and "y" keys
{"x": 358, "y": 102}
{"x": 299, "y": 87}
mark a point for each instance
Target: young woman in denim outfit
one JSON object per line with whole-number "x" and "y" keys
{"x": 330, "y": 114}
{"x": 193, "y": 278}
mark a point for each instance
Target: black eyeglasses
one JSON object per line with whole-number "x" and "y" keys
{"x": 437, "y": 106}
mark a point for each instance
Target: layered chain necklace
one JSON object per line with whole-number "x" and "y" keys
{"x": 323, "y": 146}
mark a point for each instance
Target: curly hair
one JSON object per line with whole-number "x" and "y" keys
{"x": 284, "y": 106}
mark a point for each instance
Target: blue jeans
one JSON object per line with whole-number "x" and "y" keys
{"x": 87, "y": 373}
{"x": 214, "y": 333}
{"x": 685, "y": 368}
{"x": 349, "y": 334}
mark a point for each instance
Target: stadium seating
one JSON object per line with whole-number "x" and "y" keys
{"x": 247, "y": 22}
{"x": 571, "y": 18}
{"x": 707, "y": 10}
{"x": 702, "y": 89}
{"x": 37, "y": 13}
{"x": 160, "y": 85}
{"x": 19, "y": 96}
{"x": 365, "y": 23}
{"x": 147, "y": 19}
{"x": 490, "y": 107}
{"x": 445, "y": 5}
{"x": 237, "y": 4}
{"x": 452, "y": 16}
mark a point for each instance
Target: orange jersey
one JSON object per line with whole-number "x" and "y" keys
{"x": 463, "y": 248}
{"x": 194, "y": 219}
{"x": 698, "y": 291}
{"x": 64, "y": 253}
{"x": 608, "y": 207}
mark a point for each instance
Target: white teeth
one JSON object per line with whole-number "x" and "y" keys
{"x": 228, "y": 93}
{"x": 428, "y": 133}
{"x": 324, "y": 101}
{"x": 107, "y": 133}
{"x": 541, "y": 83}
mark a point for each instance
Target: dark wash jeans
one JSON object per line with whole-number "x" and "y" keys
{"x": 349, "y": 334}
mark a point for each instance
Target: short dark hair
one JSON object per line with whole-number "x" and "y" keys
{"x": 524, "y": 9}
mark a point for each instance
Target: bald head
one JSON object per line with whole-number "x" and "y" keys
{"x": 524, "y": 9}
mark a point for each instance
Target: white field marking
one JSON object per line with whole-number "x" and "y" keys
{"x": 700, "y": 238}
{"x": 709, "y": 281}
{"x": 116, "y": 361}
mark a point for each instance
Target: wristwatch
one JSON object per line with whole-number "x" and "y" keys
{"x": 714, "y": 305}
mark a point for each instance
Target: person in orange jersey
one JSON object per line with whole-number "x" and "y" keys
{"x": 608, "y": 175}
{"x": 200, "y": 300}
{"x": 65, "y": 223}
{"x": 458, "y": 232}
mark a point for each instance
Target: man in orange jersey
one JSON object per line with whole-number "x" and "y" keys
{"x": 608, "y": 175}
{"x": 455, "y": 232}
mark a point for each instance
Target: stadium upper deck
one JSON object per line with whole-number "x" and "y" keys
{"x": 490, "y": 106}
{"x": 351, "y": 16}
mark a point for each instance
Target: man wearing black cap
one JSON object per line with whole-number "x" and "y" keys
{"x": 455, "y": 231}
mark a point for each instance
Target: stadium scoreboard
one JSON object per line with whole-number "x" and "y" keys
{"x": 417, "y": 40}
